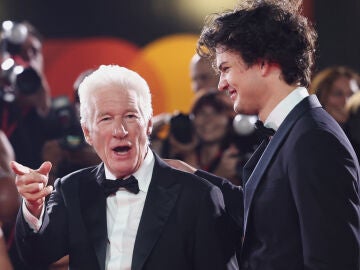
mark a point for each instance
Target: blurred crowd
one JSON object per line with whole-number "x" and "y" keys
{"x": 35, "y": 126}
{"x": 338, "y": 88}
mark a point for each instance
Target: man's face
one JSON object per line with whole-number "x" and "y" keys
{"x": 33, "y": 51}
{"x": 211, "y": 126}
{"x": 341, "y": 90}
{"x": 30, "y": 55}
{"x": 203, "y": 76}
{"x": 117, "y": 130}
{"x": 243, "y": 83}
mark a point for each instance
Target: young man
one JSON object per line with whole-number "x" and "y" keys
{"x": 146, "y": 222}
{"x": 301, "y": 194}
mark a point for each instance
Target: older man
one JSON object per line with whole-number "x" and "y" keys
{"x": 130, "y": 212}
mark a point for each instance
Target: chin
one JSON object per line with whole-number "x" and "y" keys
{"x": 121, "y": 168}
{"x": 238, "y": 109}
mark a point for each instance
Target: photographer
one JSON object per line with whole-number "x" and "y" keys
{"x": 176, "y": 136}
{"x": 207, "y": 138}
{"x": 179, "y": 140}
{"x": 25, "y": 101}
{"x": 70, "y": 152}
{"x": 28, "y": 115}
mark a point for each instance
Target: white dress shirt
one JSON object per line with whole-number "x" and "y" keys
{"x": 123, "y": 213}
{"x": 279, "y": 113}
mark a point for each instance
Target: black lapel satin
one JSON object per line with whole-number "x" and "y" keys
{"x": 160, "y": 200}
{"x": 251, "y": 163}
{"x": 256, "y": 176}
{"x": 93, "y": 209}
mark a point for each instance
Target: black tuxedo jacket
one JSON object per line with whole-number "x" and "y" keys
{"x": 183, "y": 225}
{"x": 301, "y": 197}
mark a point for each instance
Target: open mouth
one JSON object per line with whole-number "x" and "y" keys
{"x": 121, "y": 149}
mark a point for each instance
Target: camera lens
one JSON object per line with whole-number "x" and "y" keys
{"x": 28, "y": 81}
{"x": 181, "y": 128}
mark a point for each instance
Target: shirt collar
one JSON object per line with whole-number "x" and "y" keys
{"x": 279, "y": 113}
{"x": 143, "y": 174}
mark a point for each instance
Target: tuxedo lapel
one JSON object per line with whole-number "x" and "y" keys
{"x": 275, "y": 142}
{"x": 251, "y": 163}
{"x": 93, "y": 209}
{"x": 160, "y": 200}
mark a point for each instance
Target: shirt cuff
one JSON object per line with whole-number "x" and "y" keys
{"x": 31, "y": 220}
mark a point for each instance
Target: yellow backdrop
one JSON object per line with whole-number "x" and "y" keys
{"x": 163, "y": 63}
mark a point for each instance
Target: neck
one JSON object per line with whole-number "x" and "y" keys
{"x": 277, "y": 94}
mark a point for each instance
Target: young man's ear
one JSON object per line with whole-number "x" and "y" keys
{"x": 267, "y": 67}
{"x": 86, "y": 134}
{"x": 264, "y": 67}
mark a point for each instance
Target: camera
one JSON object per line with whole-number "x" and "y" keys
{"x": 181, "y": 128}
{"x": 72, "y": 136}
{"x": 16, "y": 76}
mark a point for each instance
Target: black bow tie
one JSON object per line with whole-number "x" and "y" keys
{"x": 264, "y": 131}
{"x": 111, "y": 186}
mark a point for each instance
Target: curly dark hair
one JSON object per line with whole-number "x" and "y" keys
{"x": 274, "y": 31}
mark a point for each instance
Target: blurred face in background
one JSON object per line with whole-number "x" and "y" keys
{"x": 31, "y": 52}
{"x": 339, "y": 92}
{"x": 211, "y": 126}
{"x": 203, "y": 76}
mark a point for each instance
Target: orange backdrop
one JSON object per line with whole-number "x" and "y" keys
{"x": 163, "y": 63}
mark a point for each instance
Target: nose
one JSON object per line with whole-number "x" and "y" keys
{"x": 347, "y": 98}
{"x": 119, "y": 130}
{"x": 223, "y": 84}
{"x": 344, "y": 101}
{"x": 197, "y": 86}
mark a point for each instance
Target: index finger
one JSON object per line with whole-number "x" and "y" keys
{"x": 19, "y": 169}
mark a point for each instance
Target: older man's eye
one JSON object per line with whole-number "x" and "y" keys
{"x": 131, "y": 117}
{"x": 106, "y": 118}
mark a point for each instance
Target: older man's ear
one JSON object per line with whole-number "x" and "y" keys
{"x": 86, "y": 134}
{"x": 149, "y": 127}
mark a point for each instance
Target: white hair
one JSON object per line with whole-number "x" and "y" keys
{"x": 122, "y": 78}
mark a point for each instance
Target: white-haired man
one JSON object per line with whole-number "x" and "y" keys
{"x": 157, "y": 218}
